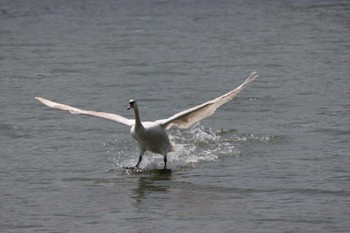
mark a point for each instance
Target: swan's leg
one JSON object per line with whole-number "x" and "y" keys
{"x": 165, "y": 161}
{"x": 138, "y": 163}
{"x": 140, "y": 159}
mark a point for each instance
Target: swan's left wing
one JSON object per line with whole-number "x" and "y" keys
{"x": 73, "y": 110}
{"x": 190, "y": 116}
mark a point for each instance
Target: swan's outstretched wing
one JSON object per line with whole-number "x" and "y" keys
{"x": 190, "y": 116}
{"x": 105, "y": 115}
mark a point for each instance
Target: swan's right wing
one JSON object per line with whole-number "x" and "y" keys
{"x": 104, "y": 115}
{"x": 190, "y": 116}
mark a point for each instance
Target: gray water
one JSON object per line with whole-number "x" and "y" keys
{"x": 276, "y": 159}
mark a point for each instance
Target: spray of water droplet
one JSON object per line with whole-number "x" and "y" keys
{"x": 192, "y": 147}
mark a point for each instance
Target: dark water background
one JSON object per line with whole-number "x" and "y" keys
{"x": 274, "y": 160}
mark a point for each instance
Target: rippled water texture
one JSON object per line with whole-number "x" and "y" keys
{"x": 276, "y": 159}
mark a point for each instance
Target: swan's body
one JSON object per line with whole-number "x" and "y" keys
{"x": 151, "y": 136}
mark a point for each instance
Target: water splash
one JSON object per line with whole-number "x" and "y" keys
{"x": 192, "y": 147}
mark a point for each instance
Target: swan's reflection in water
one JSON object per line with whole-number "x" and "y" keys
{"x": 151, "y": 183}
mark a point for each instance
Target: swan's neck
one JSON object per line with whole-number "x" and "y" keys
{"x": 138, "y": 123}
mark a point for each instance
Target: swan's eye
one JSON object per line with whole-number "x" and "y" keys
{"x": 131, "y": 102}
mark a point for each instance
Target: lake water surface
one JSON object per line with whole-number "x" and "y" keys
{"x": 276, "y": 159}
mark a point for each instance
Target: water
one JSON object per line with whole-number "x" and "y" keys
{"x": 276, "y": 159}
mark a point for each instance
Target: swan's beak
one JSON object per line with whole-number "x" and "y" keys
{"x": 131, "y": 104}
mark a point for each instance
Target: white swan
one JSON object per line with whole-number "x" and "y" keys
{"x": 151, "y": 136}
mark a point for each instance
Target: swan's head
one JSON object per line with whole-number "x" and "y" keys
{"x": 132, "y": 104}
